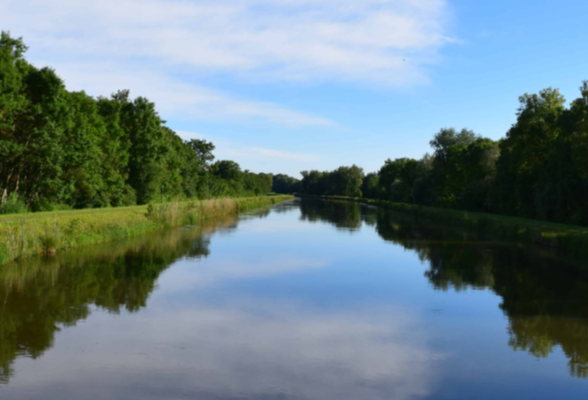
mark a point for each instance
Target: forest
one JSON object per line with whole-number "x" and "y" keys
{"x": 539, "y": 170}
{"x": 61, "y": 149}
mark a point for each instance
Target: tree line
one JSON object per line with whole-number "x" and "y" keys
{"x": 538, "y": 170}
{"x": 62, "y": 149}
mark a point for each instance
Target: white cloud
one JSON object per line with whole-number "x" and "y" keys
{"x": 176, "y": 98}
{"x": 345, "y": 36}
{"x": 256, "y": 152}
{"x": 388, "y": 41}
{"x": 227, "y": 149}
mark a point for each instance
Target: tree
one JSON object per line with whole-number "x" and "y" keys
{"x": 115, "y": 145}
{"x": 142, "y": 126}
{"x": 285, "y": 184}
{"x": 396, "y": 179}
{"x": 522, "y": 170}
{"x": 345, "y": 181}
{"x": 370, "y": 186}
{"x": 203, "y": 151}
{"x": 13, "y": 103}
{"x": 313, "y": 182}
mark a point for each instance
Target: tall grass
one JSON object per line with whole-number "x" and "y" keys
{"x": 25, "y": 235}
{"x": 16, "y": 275}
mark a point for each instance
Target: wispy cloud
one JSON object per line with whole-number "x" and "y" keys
{"x": 176, "y": 98}
{"x": 236, "y": 151}
{"x": 177, "y": 41}
{"x": 256, "y": 152}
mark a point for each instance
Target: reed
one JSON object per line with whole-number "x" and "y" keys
{"x": 25, "y": 235}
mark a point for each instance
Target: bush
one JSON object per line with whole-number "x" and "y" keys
{"x": 44, "y": 205}
{"x": 13, "y": 205}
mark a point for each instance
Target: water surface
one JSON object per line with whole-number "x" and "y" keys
{"x": 308, "y": 300}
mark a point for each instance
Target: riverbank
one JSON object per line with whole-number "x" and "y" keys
{"x": 25, "y": 235}
{"x": 573, "y": 240}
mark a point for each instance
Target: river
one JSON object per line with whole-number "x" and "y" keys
{"x": 307, "y": 300}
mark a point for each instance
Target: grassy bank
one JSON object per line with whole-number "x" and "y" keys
{"x": 573, "y": 240}
{"x": 25, "y": 235}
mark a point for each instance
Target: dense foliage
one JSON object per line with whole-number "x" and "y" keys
{"x": 61, "y": 149}
{"x": 539, "y": 170}
{"x": 344, "y": 181}
{"x": 285, "y": 184}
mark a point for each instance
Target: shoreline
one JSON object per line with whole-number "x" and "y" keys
{"x": 27, "y": 235}
{"x": 571, "y": 239}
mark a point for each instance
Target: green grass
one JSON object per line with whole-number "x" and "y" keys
{"x": 571, "y": 239}
{"x": 24, "y": 235}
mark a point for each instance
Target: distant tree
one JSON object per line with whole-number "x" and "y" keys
{"x": 370, "y": 186}
{"x": 285, "y": 184}
{"x": 313, "y": 182}
{"x": 227, "y": 169}
{"x": 396, "y": 179}
{"x": 345, "y": 181}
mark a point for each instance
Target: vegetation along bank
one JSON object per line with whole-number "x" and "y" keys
{"x": 25, "y": 235}
{"x": 570, "y": 240}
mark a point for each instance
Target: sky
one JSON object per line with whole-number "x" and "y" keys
{"x": 283, "y": 86}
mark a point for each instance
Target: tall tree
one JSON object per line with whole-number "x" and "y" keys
{"x": 525, "y": 153}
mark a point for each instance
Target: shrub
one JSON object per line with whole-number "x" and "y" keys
{"x": 13, "y": 205}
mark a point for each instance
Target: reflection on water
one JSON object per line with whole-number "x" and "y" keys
{"x": 281, "y": 306}
{"x": 344, "y": 215}
{"x": 546, "y": 302}
{"x": 40, "y": 296}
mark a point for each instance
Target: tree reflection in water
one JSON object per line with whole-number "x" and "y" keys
{"x": 40, "y": 296}
{"x": 544, "y": 299}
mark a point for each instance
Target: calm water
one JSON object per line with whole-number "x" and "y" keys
{"x": 310, "y": 300}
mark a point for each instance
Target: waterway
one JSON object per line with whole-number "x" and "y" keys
{"x": 307, "y": 300}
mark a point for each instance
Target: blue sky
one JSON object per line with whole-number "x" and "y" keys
{"x": 288, "y": 85}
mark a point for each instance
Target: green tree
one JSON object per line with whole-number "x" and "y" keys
{"x": 115, "y": 145}
{"x": 396, "y": 179}
{"x": 523, "y": 167}
{"x": 345, "y": 181}
{"x": 370, "y": 186}
{"x": 142, "y": 125}
{"x": 285, "y": 184}
{"x": 13, "y": 103}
